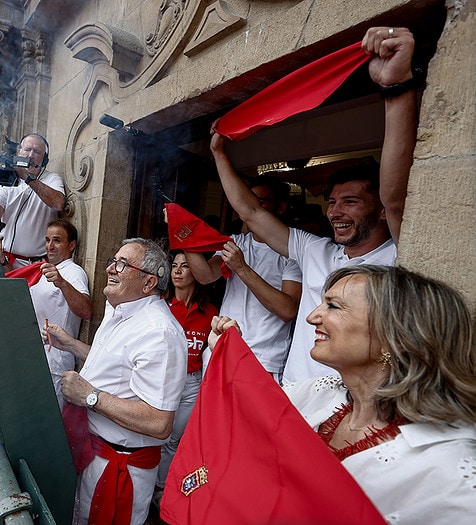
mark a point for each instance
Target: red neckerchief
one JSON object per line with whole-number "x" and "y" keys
{"x": 31, "y": 273}
{"x": 301, "y": 90}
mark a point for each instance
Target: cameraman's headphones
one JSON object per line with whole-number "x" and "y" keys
{"x": 46, "y": 157}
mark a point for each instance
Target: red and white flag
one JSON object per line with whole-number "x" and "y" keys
{"x": 248, "y": 457}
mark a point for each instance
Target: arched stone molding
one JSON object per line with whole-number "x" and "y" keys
{"x": 174, "y": 26}
{"x": 97, "y": 42}
{"x": 75, "y": 211}
{"x": 80, "y": 167}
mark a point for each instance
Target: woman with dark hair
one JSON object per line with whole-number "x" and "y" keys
{"x": 402, "y": 417}
{"x": 189, "y": 302}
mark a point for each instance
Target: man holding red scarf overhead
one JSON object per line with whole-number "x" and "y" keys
{"x": 366, "y": 227}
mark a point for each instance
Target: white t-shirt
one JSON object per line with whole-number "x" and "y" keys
{"x": 139, "y": 352}
{"x": 27, "y": 216}
{"x": 50, "y": 303}
{"x": 426, "y": 475}
{"x": 318, "y": 257}
{"x": 267, "y": 335}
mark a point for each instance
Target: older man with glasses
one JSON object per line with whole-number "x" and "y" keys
{"x": 130, "y": 386}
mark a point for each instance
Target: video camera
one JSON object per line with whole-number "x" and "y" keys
{"x": 8, "y": 163}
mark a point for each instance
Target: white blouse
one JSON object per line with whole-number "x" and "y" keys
{"x": 425, "y": 476}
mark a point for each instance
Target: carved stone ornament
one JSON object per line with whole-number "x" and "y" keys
{"x": 169, "y": 15}
{"x": 216, "y": 23}
{"x": 174, "y": 27}
{"x": 83, "y": 177}
{"x": 98, "y": 42}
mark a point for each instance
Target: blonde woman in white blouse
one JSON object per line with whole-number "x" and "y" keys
{"x": 402, "y": 419}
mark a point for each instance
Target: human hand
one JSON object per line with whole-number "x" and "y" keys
{"x": 393, "y": 51}
{"x": 56, "y": 336}
{"x": 52, "y": 274}
{"x": 220, "y": 324}
{"x": 233, "y": 257}
{"x": 75, "y": 388}
{"x": 217, "y": 143}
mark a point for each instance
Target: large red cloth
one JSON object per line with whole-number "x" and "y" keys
{"x": 31, "y": 273}
{"x": 75, "y": 420}
{"x": 301, "y": 90}
{"x": 247, "y": 456}
{"x": 189, "y": 233}
{"x": 112, "y": 498}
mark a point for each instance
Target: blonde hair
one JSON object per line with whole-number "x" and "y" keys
{"x": 426, "y": 327}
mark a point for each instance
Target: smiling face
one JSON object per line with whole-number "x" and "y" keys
{"x": 354, "y": 213}
{"x": 342, "y": 335}
{"x": 182, "y": 277}
{"x": 58, "y": 248}
{"x": 130, "y": 284}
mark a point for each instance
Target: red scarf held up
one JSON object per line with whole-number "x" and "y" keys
{"x": 113, "y": 495}
{"x": 248, "y": 456}
{"x": 189, "y": 233}
{"x": 301, "y": 90}
{"x": 31, "y": 273}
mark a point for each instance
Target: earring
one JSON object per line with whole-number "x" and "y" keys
{"x": 384, "y": 359}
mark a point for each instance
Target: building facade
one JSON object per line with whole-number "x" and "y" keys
{"x": 126, "y": 91}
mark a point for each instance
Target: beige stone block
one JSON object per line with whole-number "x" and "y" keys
{"x": 437, "y": 236}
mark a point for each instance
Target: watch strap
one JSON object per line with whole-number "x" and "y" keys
{"x": 395, "y": 90}
{"x": 29, "y": 178}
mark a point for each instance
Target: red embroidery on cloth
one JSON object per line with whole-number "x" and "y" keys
{"x": 372, "y": 439}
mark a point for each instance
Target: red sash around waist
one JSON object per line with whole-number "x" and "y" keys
{"x": 112, "y": 499}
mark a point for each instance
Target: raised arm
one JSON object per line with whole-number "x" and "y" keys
{"x": 204, "y": 271}
{"x": 264, "y": 224}
{"x": 282, "y": 303}
{"x": 53, "y": 198}
{"x": 393, "y": 49}
{"x": 79, "y": 303}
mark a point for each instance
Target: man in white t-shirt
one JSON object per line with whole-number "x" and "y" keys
{"x": 27, "y": 207}
{"x": 366, "y": 227}
{"x": 61, "y": 296}
{"x": 264, "y": 288}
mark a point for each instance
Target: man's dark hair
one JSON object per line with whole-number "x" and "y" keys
{"x": 279, "y": 188}
{"x": 365, "y": 169}
{"x": 70, "y": 229}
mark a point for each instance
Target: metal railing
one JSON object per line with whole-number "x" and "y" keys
{"x": 15, "y": 505}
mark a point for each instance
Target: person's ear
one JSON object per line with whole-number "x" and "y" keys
{"x": 150, "y": 283}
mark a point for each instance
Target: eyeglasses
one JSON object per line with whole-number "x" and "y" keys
{"x": 119, "y": 266}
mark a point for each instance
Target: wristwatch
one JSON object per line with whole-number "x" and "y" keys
{"x": 29, "y": 178}
{"x": 5, "y": 260}
{"x": 92, "y": 398}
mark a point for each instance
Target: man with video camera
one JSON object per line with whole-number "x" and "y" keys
{"x": 29, "y": 204}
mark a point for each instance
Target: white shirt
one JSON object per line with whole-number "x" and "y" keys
{"x": 318, "y": 257}
{"x": 27, "y": 216}
{"x": 139, "y": 352}
{"x": 50, "y": 303}
{"x": 425, "y": 476}
{"x": 268, "y": 336}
